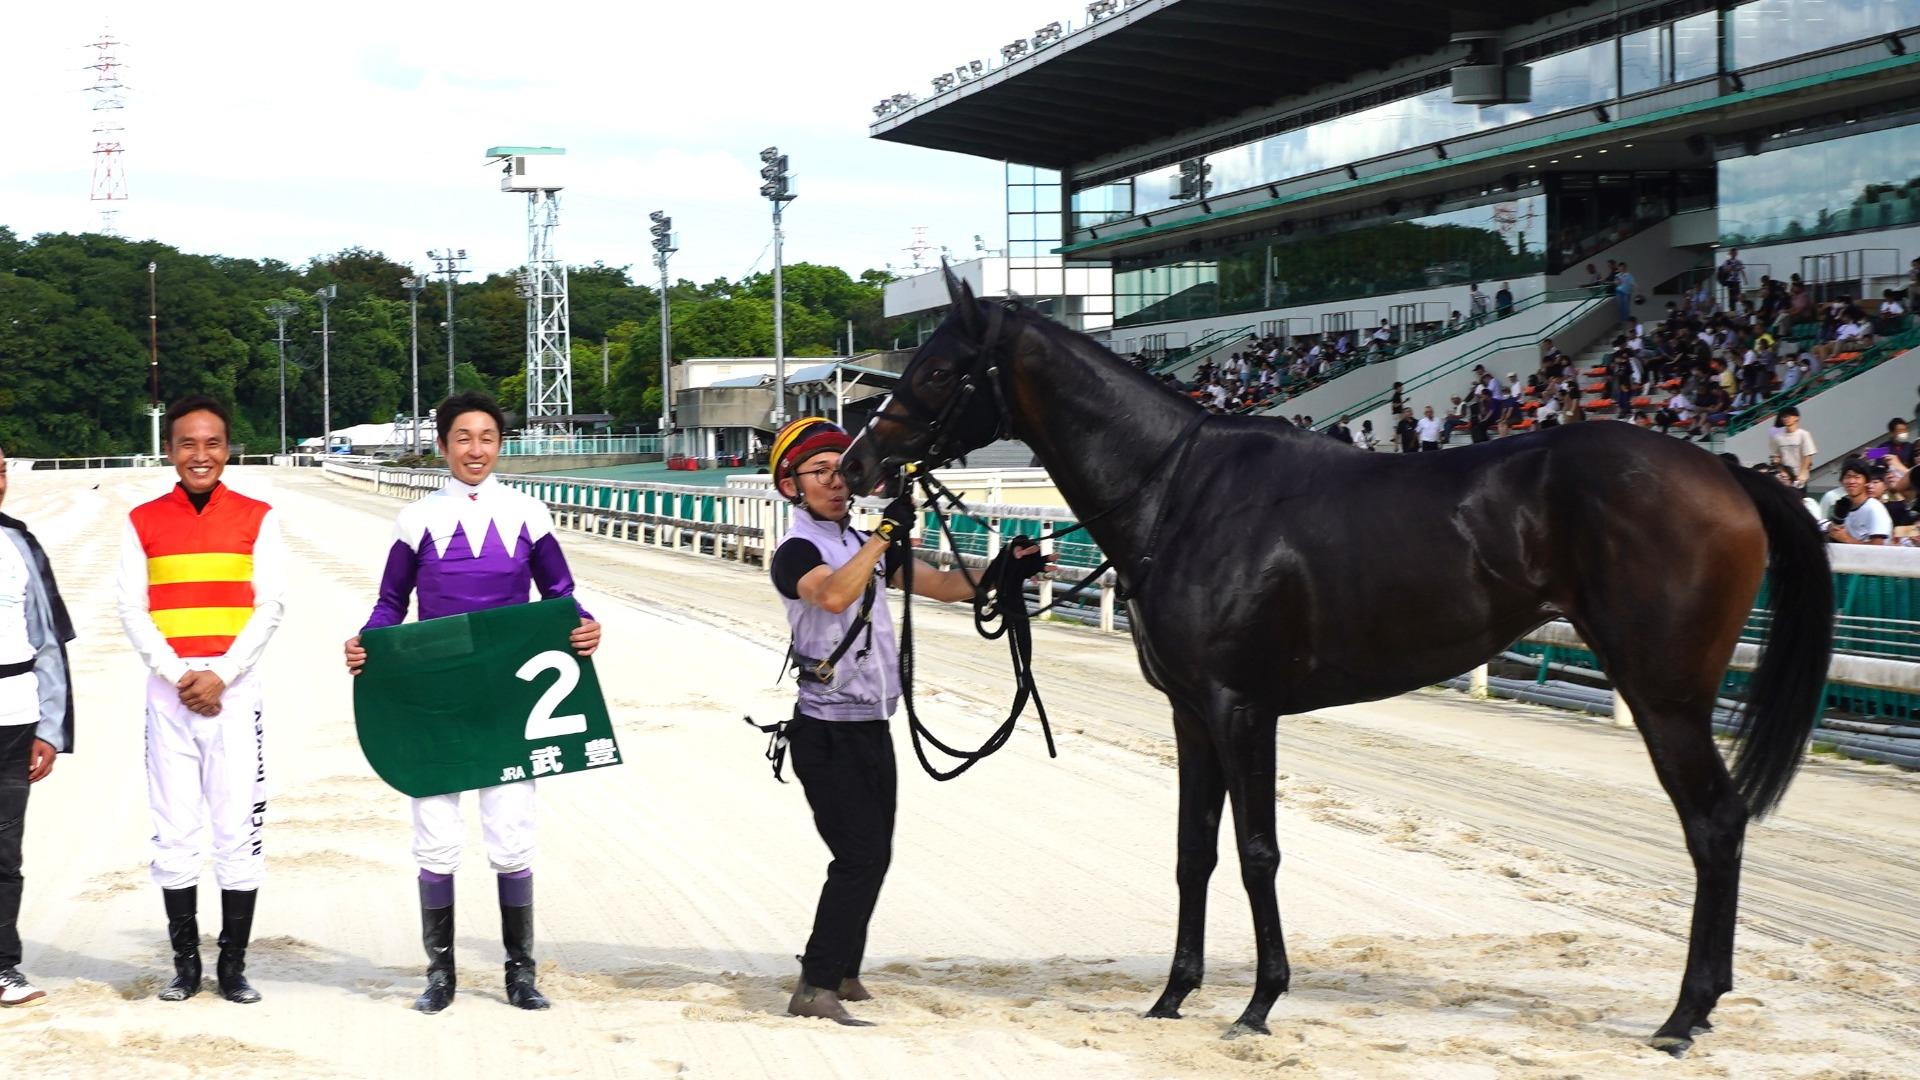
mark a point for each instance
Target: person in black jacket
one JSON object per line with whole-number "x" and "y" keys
{"x": 36, "y": 716}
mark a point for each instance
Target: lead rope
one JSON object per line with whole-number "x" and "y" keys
{"x": 997, "y": 599}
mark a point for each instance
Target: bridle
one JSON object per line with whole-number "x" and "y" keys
{"x": 946, "y": 425}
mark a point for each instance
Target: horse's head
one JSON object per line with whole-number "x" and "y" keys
{"x": 947, "y": 401}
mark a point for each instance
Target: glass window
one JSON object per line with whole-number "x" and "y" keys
{"x": 1643, "y": 60}
{"x": 1562, "y": 81}
{"x": 1103, "y": 203}
{"x": 1696, "y": 46}
{"x": 1492, "y": 242}
{"x": 1154, "y": 191}
{"x": 1865, "y": 181}
{"x": 1567, "y": 80}
{"x": 1769, "y": 30}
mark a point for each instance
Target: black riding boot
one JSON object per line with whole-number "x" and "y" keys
{"x": 516, "y": 930}
{"x": 436, "y": 934}
{"x": 183, "y": 931}
{"x": 236, "y": 928}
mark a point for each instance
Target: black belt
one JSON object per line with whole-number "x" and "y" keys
{"x": 8, "y": 671}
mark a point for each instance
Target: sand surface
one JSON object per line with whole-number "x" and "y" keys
{"x": 1471, "y": 890}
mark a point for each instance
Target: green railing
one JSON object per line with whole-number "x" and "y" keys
{"x": 1593, "y": 297}
{"x": 1212, "y": 340}
{"x": 1829, "y": 376}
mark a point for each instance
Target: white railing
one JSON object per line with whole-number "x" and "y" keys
{"x": 742, "y": 522}
{"x": 520, "y": 445}
{"x": 116, "y": 461}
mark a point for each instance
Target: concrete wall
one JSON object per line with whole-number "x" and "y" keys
{"x": 1653, "y": 255}
{"x": 1844, "y": 416}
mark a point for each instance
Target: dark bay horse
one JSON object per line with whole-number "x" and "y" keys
{"x": 1271, "y": 571}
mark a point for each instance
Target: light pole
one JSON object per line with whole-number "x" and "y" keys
{"x": 326, "y": 297}
{"x": 281, "y": 312}
{"x": 153, "y": 357}
{"x": 413, "y": 285}
{"x": 777, "y": 186}
{"x": 665, "y": 243}
{"x": 451, "y": 263}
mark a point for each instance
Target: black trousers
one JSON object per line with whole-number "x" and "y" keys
{"x": 847, "y": 770}
{"x": 16, "y": 752}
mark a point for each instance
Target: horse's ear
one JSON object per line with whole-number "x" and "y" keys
{"x": 968, "y": 310}
{"x": 954, "y": 284}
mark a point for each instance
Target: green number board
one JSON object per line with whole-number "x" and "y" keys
{"x": 470, "y": 701}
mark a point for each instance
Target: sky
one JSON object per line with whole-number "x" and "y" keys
{"x": 291, "y": 131}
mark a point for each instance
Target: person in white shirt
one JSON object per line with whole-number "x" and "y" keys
{"x": 1364, "y": 437}
{"x": 1867, "y": 520}
{"x": 1793, "y": 447}
{"x": 1477, "y": 303}
{"x": 1548, "y": 414}
{"x": 1429, "y": 430}
{"x": 36, "y": 717}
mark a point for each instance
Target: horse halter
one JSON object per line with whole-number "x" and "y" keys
{"x": 946, "y": 426}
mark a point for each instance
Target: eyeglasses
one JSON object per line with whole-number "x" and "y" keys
{"x": 821, "y": 476}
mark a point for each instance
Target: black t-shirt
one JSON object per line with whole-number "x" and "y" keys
{"x": 793, "y": 561}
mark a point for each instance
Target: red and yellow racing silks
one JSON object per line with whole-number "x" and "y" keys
{"x": 200, "y": 567}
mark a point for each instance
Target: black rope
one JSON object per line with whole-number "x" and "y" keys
{"x": 1000, "y": 607}
{"x": 999, "y": 610}
{"x": 776, "y": 744}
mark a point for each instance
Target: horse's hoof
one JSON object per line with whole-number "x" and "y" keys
{"x": 1246, "y": 1027}
{"x": 1675, "y": 1045}
{"x": 1164, "y": 1012}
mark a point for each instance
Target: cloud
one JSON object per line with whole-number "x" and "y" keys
{"x": 263, "y": 131}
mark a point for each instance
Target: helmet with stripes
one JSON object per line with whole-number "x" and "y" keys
{"x": 801, "y": 440}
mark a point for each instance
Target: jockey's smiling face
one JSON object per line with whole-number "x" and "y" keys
{"x": 472, "y": 446}
{"x": 197, "y": 447}
{"x": 820, "y": 486}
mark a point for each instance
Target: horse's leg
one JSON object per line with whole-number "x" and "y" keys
{"x": 1245, "y": 742}
{"x": 1665, "y": 673}
{"x": 1680, "y": 740}
{"x": 1202, "y": 788}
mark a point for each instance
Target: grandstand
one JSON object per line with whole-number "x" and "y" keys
{"x": 1307, "y": 172}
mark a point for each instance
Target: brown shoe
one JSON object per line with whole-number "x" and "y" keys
{"x": 822, "y": 1004}
{"x": 854, "y": 990}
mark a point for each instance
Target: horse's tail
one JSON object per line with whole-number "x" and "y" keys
{"x": 1784, "y": 697}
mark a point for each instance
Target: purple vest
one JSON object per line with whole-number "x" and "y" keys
{"x": 866, "y": 683}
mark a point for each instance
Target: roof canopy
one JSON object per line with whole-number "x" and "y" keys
{"x": 1187, "y": 63}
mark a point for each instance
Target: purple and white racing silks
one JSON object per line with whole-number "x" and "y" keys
{"x": 468, "y": 548}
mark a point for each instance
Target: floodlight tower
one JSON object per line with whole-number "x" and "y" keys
{"x": 537, "y": 171}
{"x": 665, "y": 243}
{"x": 777, "y": 188}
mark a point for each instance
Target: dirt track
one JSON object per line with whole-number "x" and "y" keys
{"x": 1471, "y": 889}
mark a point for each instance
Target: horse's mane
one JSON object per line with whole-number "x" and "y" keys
{"x": 1082, "y": 342}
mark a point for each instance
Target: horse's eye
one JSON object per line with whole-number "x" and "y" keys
{"x": 940, "y": 375}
